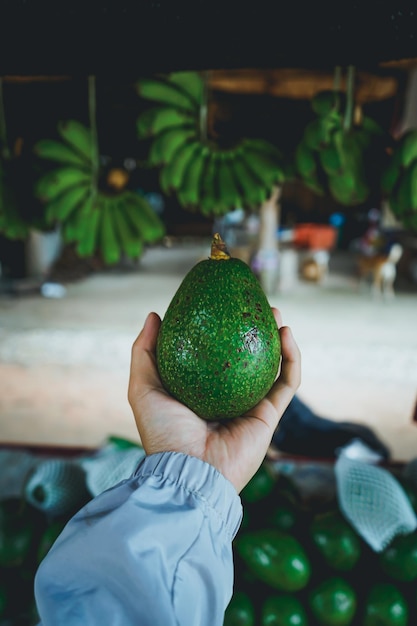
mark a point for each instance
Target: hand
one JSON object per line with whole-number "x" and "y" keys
{"x": 236, "y": 447}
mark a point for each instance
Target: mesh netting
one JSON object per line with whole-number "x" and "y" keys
{"x": 373, "y": 501}
{"x": 110, "y": 467}
{"x": 56, "y": 487}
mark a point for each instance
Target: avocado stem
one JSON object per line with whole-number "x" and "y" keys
{"x": 219, "y": 251}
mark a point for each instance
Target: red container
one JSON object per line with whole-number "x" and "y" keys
{"x": 315, "y": 236}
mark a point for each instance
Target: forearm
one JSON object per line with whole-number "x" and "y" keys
{"x": 156, "y": 549}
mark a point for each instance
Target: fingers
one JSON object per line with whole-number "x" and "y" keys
{"x": 143, "y": 371}
{"x": 277, "y": 315}
{"x": 289, "y": 379}
{"x": 149, "y": 333}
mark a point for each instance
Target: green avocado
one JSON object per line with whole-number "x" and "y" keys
{"x": 274, "y": 557}
{"x": 218, "y": 348}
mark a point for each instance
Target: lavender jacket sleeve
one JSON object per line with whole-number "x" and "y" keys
{"x": 155, "y": 550}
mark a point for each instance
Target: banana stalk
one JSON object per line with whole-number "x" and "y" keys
{"x": 92, "y": 110}
{"x": 350, "y": 99}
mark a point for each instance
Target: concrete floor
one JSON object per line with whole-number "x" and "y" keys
{"x": 64, "y": 363}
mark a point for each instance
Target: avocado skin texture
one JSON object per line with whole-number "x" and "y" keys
{"x": 218, "y": 348}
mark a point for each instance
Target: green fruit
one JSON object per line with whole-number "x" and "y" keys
{"x": 167, "y": 93}
{"x": 260, "y": 486}
{"x": 326, "y": 101}
{"x": 399, "y": 559}
{"x": 408, "y": 147}
{"x": 16, "y": 533}
{"x": 274, "y": 557}
{"x": 283, "y": 610}
{"x": 240, "y": 611}
{"x": 218, "y": 347}
{"x": 333, "y": 602}
{"x": 385, "y": 605}
{"x": 283, "y": 517}
{"x": 305, "y": 160}
{"x": 330, "y": 160}
{"x": 336, "y": 541}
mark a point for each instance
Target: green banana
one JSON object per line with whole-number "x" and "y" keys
{"x": 73, "y": 227}
{"x": 130, "y": 243}
{"x": 79, "y": 138}
{"x": 107, "y": 241}
{"x": 143, "y": 218}
{"x": 408, "y": 147}
{"x": 349, "y": 189}
{"x": 189, "y": 192}
{"x": 156, "y": 120}
{"x": 264, "y": 147}
{"x": 60, "y": 152}
{"x": 228, "y": 194}
{"x": 267, "y": 170}
{"x": 171, "y": 174}
{"x": 404, "y": 195}
{"x": 88, "y": 237}
{"x": 191, "y": 82}
{"x": 324, "y": 102}
{"x": 165, "y": 92}
{"x": 57, "y": 181}
{"x": 208, "y": 200}
{"x": 318, "y": 132}
{"x": 167, "y": 143}
{"x": 330, "y": 159}
{"x": 168, "y": 174}
{"x": 305, "y": 160}
{"x": 342, "y": 189}
{"x": 350, "y": 150}
{"x": 413, "y": 186}
{"x": 392, "y": 172}
{"x": 253, "y": 193}
{"x": 61, "y": 207}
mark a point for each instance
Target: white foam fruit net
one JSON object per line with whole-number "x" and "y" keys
{"x": 109, "y": 467}
{"x": 56, "y": 486}
{"x": 373, "y": 501}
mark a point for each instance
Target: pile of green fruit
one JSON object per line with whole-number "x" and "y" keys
{"x": 303, "y": 564}
{"x": 26, "y": 535}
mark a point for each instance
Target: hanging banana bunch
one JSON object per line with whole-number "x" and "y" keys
{"x": 205, "y": 176}
{"x": 334, "y": 152}
{"x": 12, "y": 225}
{"x": 112, "y": 221}
{"x": 399, "y": 180}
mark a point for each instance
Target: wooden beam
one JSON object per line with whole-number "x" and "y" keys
{"x": 300, "y": 84}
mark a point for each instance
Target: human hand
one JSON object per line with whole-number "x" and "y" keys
{"x": 236, "y": 447}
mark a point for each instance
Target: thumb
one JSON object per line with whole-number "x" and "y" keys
{"x": 143, "y": 370}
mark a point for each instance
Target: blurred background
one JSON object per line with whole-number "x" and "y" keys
{"x": 114, "y": 177}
